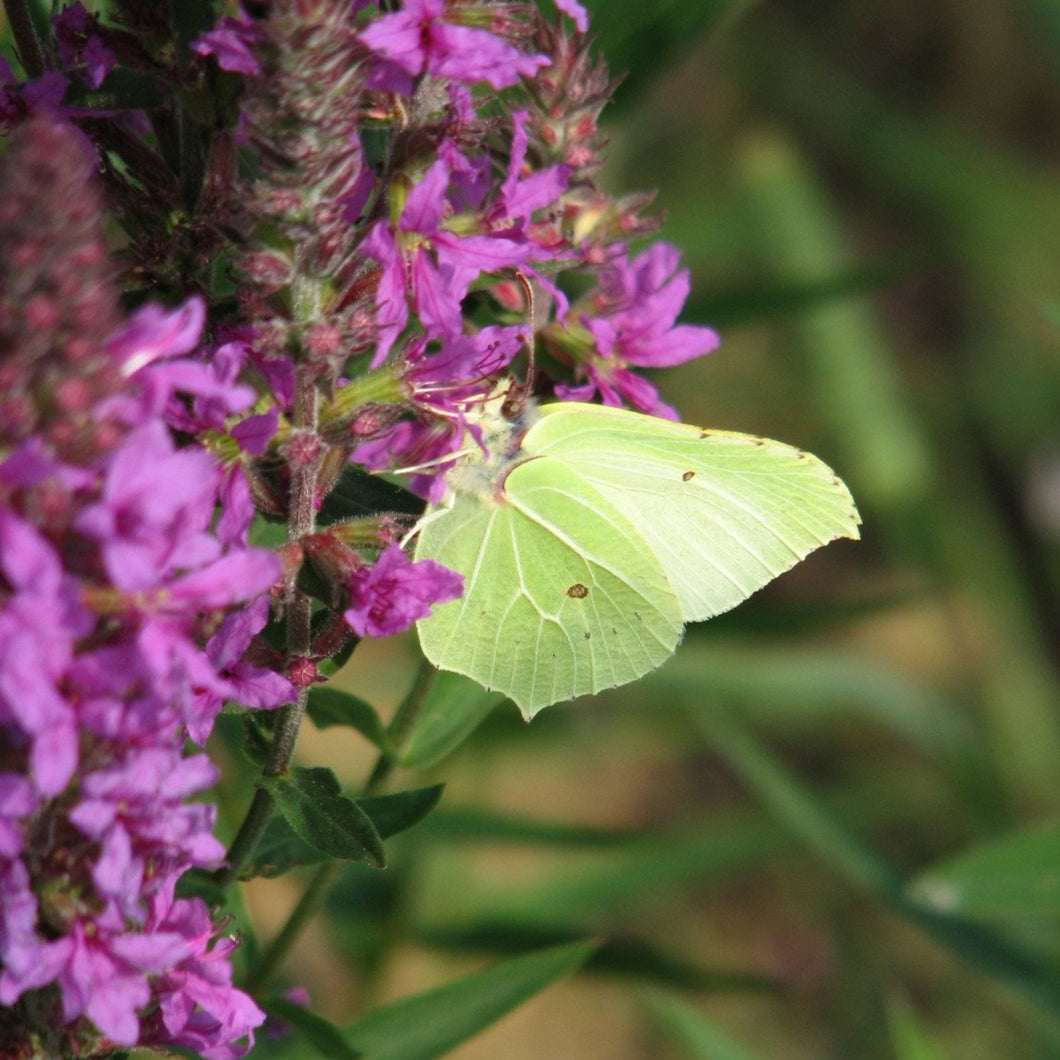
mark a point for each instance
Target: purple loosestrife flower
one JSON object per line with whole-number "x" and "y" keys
{"x": 153, "y": 514}
{"x": 112, "y": 577}
{"x": 427, "y": 261}
{"x": 426, "y": 36}
{"x": 444, "y": 384}
{"x": 82, "y": 48}
{"x": 197, "y": 1006}
{"x": 575, "y": 11}
{"x": 231, "y": 43}
{"x": 631, "y": 322}
{"x": 394, "y": 592}
{"x": 40, "y": 622}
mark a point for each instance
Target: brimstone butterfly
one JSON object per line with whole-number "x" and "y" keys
{"x": 588, "y": 536}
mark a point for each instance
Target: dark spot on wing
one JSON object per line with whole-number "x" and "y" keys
{"x": 577, "y": 591}
{"x": 688, "y": 476}
{"x": 588, "y": 635}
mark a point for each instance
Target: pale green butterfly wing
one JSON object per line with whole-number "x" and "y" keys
{"x": 561, "y": 596}
{"x": 724, "y": 513}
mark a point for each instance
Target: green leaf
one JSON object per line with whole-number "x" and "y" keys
{"x": 1017, "y": 875}
{"x": 279, "y": 850}
{"x": 313, "y": 805}
{"x": 257, "y": 736}
{"x": 698, "y": 1034}
{"x": 472, "y": 824}
{"x": 329, "y": 706}
{"x": 1022, "y": 967}
{"x": 358, "y": 494}
{"x": 790, "y": 688}
{"x": 323, "y": 1036}
{"x": 630, "y": 958}
{"x": 198, "y": 883}
{"x": 430, "y": 1024}
{"x": 452, "y": 711}
{"x": 907, "y": 1035}
{"x": 797, "y": 808}
{"x": 400, "y": 810}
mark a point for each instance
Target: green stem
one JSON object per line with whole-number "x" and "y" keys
{"x": 401, "y": 725}
{"x": 30, "y": 52}
{"x": 311, "y": 900}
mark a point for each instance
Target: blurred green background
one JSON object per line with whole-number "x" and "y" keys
{"x": 829, "y": 827}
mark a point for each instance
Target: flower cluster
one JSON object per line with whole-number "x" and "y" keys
{"x": 113, "y": 586}
{"x": 382, "y": 211}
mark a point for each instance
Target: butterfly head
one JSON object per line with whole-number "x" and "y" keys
{"x": 494, "y": 430}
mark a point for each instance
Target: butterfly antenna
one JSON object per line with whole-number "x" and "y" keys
{"x": 515, "y": 401}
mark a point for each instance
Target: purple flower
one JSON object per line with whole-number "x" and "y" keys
{"x": 520, "y": 196}
{"x": 631, "y": 319}
{"x": 394, "y": 592}
{"x": 152, "y": 350}
{"x": 39, "y": 624}
{"x": 105, "y": 978}
{"x": 426, "y": 259}
{"x": 232, "y": 44}
{"x": 28, "y": 961}
{"x": 198, "y": 1007}
{"x": 154, "y": 333}
{"x": 249, "y": 685}
{"x": 81, "y": 47}
{"x": 42, "y": 95}
{"x": 141, "y": 795}
{"x": 418, "y": 39}
{"x": 17, "y": 802}
{"x": 255, "y": 432}
{"x": 213, "y": 383}
{"x": 154, "y": 514}
{"x": 575, "y": 11}
{"x": 444, "y": 384}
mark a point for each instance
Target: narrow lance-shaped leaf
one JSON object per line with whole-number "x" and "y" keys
{"x": 430, "y": 1024}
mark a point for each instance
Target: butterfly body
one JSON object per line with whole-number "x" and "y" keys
{"x": 588, "y": 536}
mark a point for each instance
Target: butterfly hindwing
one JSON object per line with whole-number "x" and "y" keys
{"x": 724, "y": 513}
{"x": 561, "y": 598}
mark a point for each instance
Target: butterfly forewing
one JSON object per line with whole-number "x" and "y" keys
{"x": 724, "y": 513}
{"x": 561, "y": 597}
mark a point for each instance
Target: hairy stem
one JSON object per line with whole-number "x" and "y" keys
{"x": 302, "y": 521}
